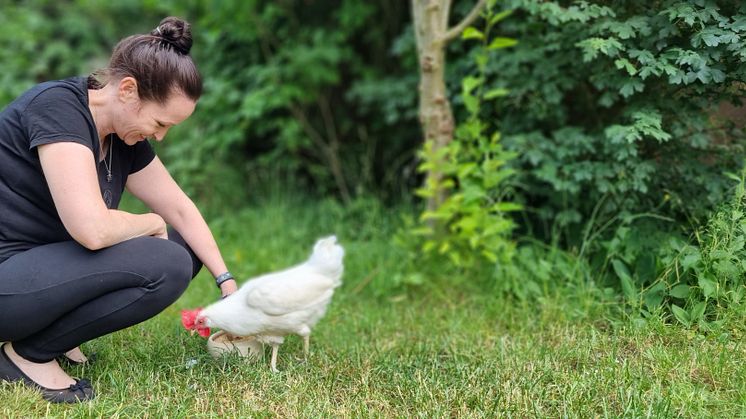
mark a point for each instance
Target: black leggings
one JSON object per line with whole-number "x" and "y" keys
{"x": 55, "y": 297}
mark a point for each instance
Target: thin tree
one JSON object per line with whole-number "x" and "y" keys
{"x": 436, "y": 117}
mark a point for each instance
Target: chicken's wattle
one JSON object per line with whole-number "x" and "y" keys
{"x": 188, "y": 320}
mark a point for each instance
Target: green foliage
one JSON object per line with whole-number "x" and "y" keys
{"x": 710, "y": 274}
{"x": 43, "y": 41}
{"x": 47, "y": 40}
{"x": 305, "y": 90}
{"x": 537, "y": 270}
{"x": 619, "y": 99}
{"x": 695, "y": 279}
{"x": 472, "y": 224}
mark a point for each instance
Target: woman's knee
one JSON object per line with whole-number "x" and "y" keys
{"x": 166, "y": 266}
{"x": 176, "y": 237}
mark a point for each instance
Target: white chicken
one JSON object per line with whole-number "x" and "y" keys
{"x": 274, "y": 305}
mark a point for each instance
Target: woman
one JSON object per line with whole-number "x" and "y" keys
{"x": 72, "y": 266}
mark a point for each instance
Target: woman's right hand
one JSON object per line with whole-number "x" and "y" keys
{"x": 161, "y": 229}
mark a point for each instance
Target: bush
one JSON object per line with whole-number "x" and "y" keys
{"x": 616, "y": 102}
{"x": 711, "y": 272}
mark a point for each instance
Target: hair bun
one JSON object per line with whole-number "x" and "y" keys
{"x": 176, "y": 32}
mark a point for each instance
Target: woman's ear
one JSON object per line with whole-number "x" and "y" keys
{"x": 128, "y": 90}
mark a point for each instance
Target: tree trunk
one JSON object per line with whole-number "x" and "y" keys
{"x": 436, "y": 117}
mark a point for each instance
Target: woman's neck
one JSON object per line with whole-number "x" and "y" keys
{"x": 99, "y": 103}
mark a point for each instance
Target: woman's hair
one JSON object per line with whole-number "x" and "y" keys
{"x": 159, "y": 61}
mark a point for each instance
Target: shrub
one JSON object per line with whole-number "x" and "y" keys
{"x": 616, "y": 101}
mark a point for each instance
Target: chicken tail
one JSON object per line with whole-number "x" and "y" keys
{"x": 327, "y": 257}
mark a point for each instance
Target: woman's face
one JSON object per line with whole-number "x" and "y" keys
{"x": 141, "y": 120}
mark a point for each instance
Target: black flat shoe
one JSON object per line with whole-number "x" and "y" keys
{"x": 78, "y": 392}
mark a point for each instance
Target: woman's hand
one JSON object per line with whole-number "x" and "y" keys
{"x": 161, "y": 229}
{"x": 228, "y": 287}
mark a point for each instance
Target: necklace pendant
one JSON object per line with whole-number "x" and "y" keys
{"x": 108, "y": 177}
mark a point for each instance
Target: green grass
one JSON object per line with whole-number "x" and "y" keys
{"x": 384, "y": 350}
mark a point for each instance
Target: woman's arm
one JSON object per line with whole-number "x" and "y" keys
{"x": 157, "y": 189}
{"x": 70, "y": 171}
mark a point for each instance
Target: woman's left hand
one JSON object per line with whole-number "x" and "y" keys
{"x": 228, "y": 287}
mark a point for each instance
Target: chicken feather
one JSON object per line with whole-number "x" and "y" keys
{"x": 282, "y": 294}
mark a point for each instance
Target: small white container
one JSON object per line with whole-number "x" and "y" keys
{"x": 221, "y": 342}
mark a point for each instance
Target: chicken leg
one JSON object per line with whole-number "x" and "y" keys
{"x": 274, "y": 357}
{"x": 306, "y": 344}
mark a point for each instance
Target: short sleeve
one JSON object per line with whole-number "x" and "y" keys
{"x": 57, "y": 115}
{"x": 144, "y": 154}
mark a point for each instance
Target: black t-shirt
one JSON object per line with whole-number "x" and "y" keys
{"x": 50, "y": 112}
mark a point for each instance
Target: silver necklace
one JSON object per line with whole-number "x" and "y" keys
{"x": 111, "y": 156}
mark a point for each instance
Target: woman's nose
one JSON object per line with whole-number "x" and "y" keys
{"x": 160, "y": 134}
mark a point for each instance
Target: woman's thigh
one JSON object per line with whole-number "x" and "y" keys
{"x": 42, "y": 284}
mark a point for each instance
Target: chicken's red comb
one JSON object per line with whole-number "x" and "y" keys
{"x": 188, "y": 318}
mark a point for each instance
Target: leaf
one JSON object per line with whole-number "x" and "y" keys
{"x": 471, "y": 103}
{"x": 470, "y": 83}
{"x": 455, "y": 258}
{"x": 628, "y": 288}
{"x": 681, "y": 315}
{"x": 623, "y": 63}
{"x": 500, "y": 16}
{"x": 645, "y": 267}
{"x": 690, "y": 260}
{"x": 712, "y": 37}
{"x": 708, "y": 286}
{"x": 654, "y": 296}
{"x": 698, "y": 311}
{"x": 501, "y": 42}
{"x": 507, "y": 206}
{"x": 679, "y": 291}
{"x": 499, "y": 92}
{"x": 733, "y": 176}
{"x": 624, "y": 30}
{"x": 491, "y": 256}
{"x": 472, "y": 33}
{"x": 653, "y": 299}
{"x": 422, "y": 231}
{"x": 620, "y": 268}
{"x": 630, "y": 87}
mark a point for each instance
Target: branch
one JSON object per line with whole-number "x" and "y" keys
{"x": 456, "y": 30}
{"x": 308, "y": 128}
{"x": 333, "y": 149}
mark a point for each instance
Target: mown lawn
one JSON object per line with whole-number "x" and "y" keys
{"x": 426, "y": 351}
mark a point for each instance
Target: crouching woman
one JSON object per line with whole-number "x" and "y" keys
{"x": 72, "y": 266}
